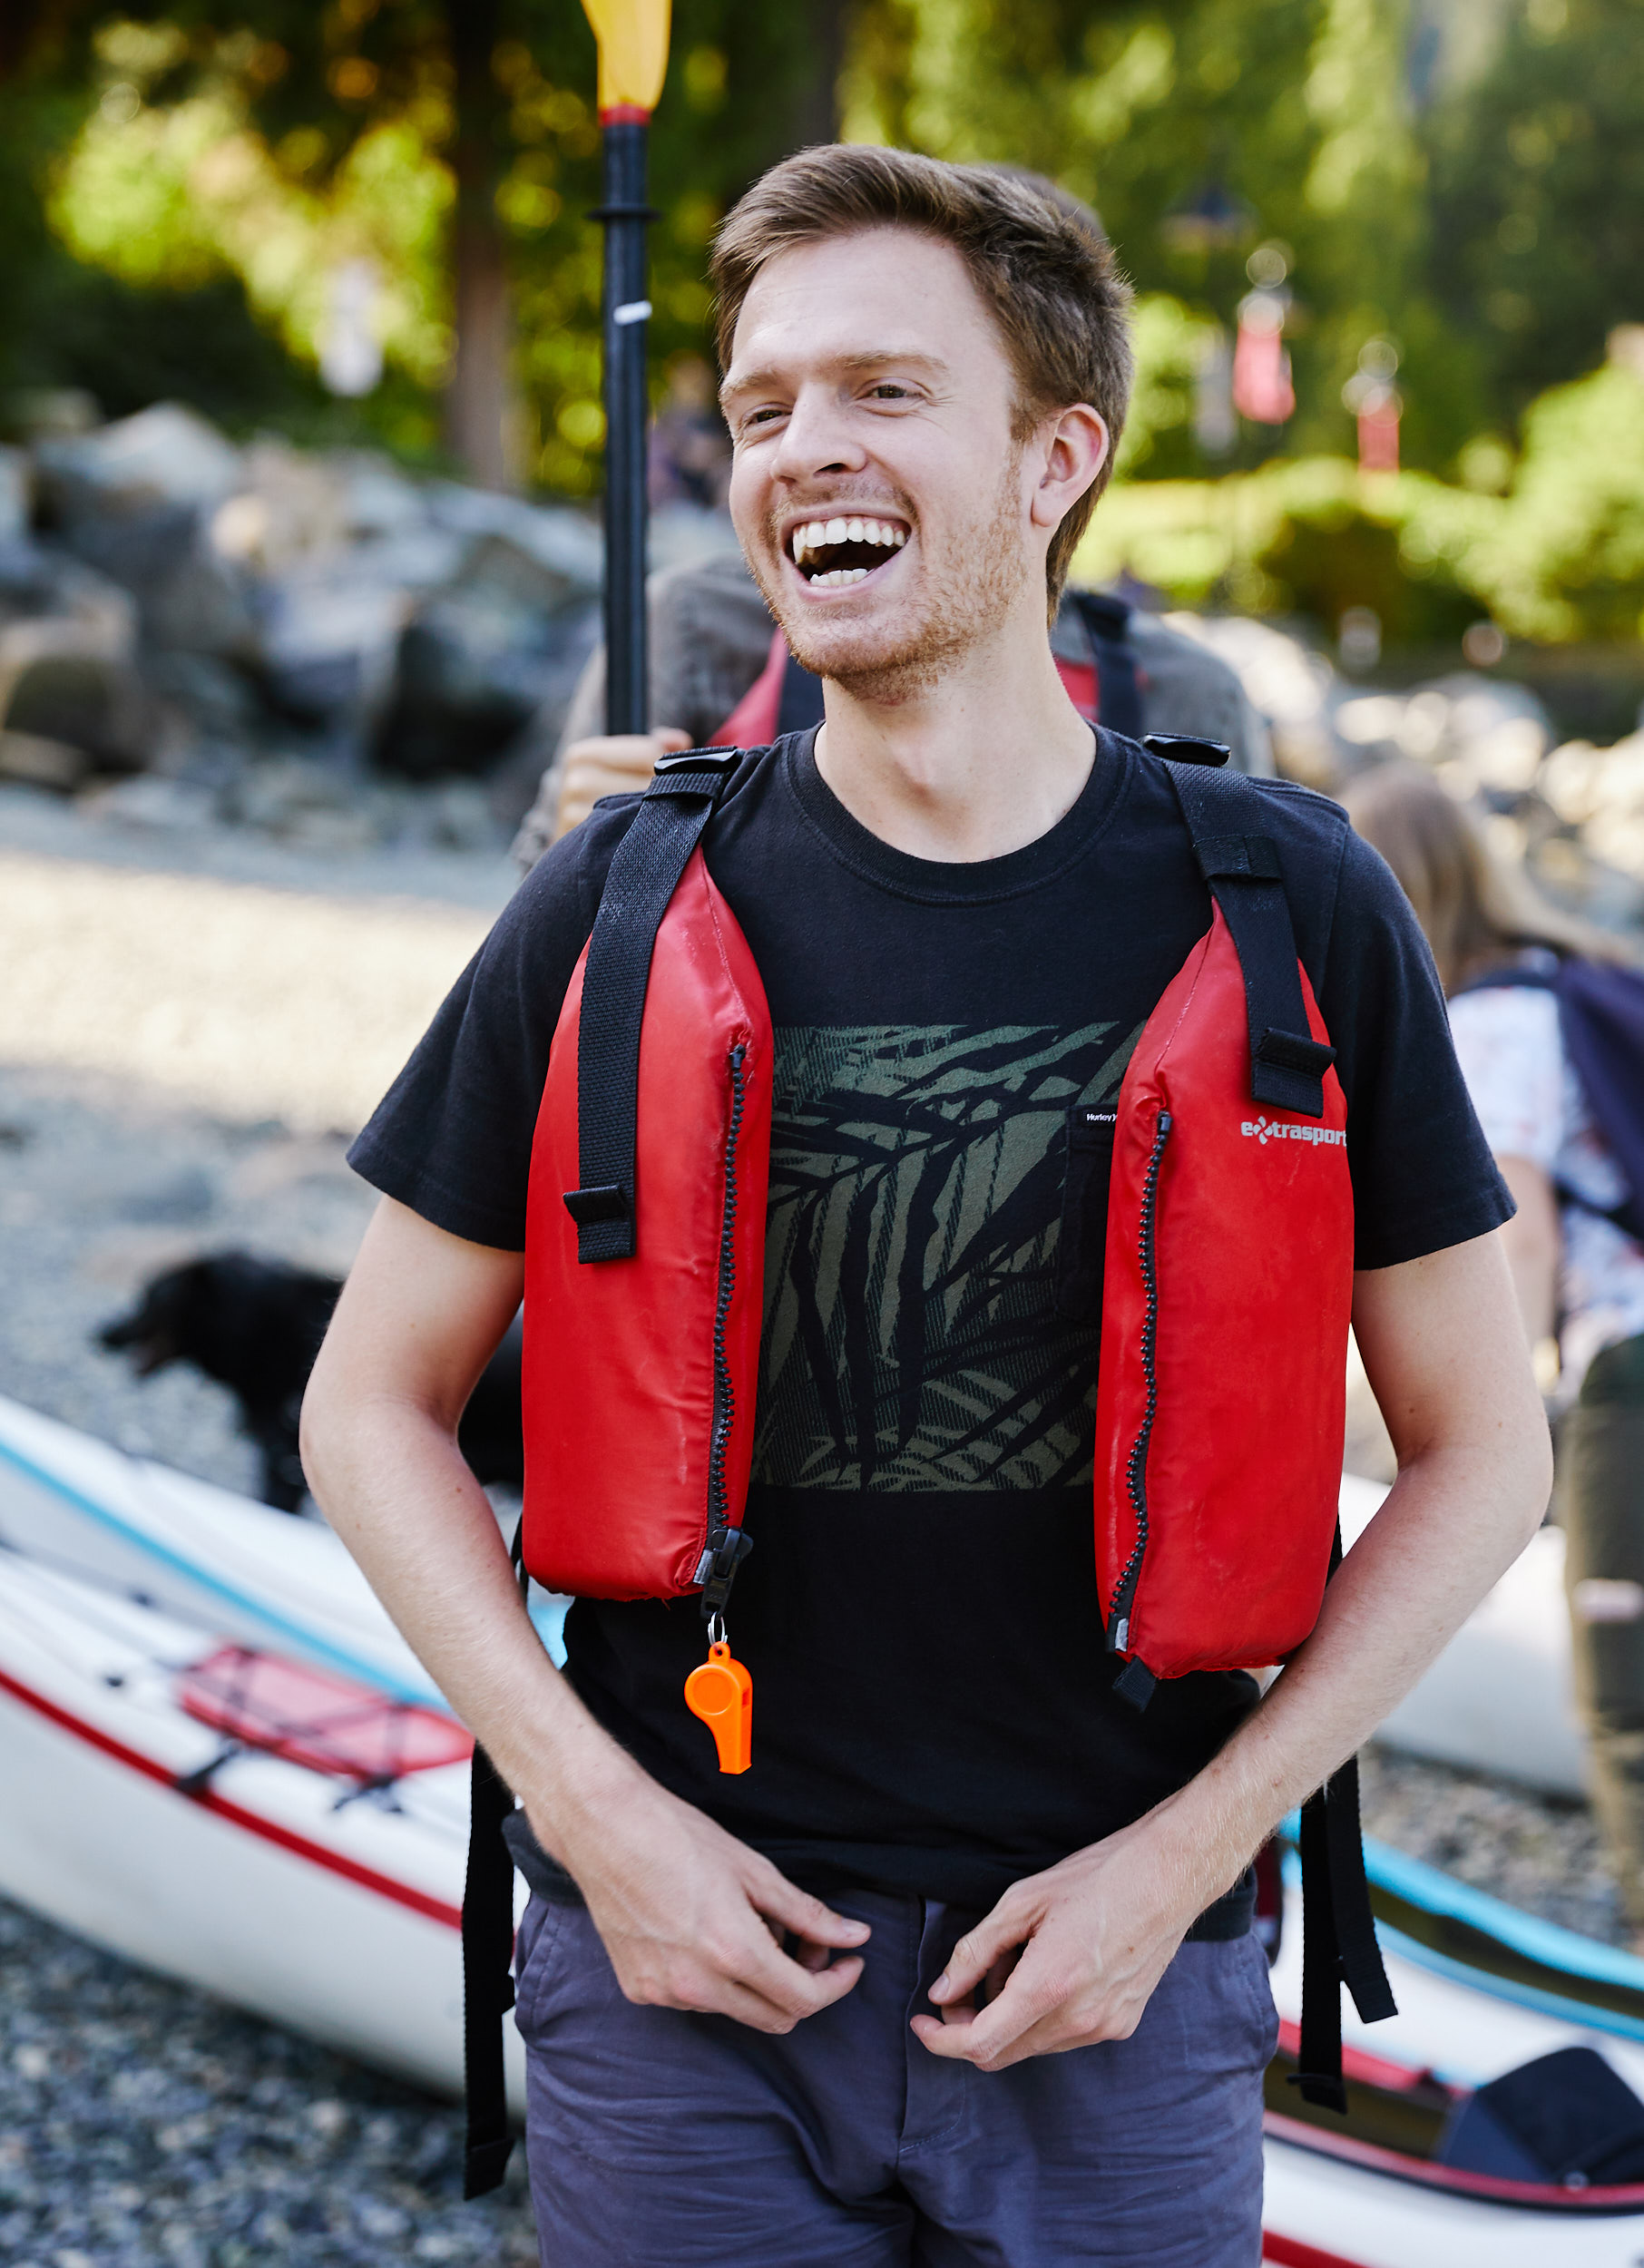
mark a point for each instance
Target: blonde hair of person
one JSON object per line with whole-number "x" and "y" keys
{"x": 1475, "y": 910}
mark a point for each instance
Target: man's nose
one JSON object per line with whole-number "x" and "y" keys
{"x": 817, "y": 438}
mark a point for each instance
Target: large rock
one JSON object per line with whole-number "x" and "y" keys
{"x": 165, "y": 458}
{"x": 67, "y": 668}
{"x": 482, "y": 657}
{"x": 134, "y": 500}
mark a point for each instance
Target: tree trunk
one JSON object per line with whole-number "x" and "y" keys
{"x": 479, "y": 407}
{"x": 816, "y": 114}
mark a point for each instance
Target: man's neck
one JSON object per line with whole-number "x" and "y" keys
{"x": 982, "y": 760}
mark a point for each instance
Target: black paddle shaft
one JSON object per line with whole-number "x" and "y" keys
{"x": 626, "y": 216}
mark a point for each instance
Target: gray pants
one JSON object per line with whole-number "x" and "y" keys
{"x": 1598, "y": 1501}
{"x": 663, "y": 2140}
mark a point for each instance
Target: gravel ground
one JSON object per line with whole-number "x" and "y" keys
{"x": 143, "y": 2124}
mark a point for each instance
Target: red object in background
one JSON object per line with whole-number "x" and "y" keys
{"x": 1378, "y": 433}
{"x": 1262, "y": 390}
{"x": 324, "y": 1723}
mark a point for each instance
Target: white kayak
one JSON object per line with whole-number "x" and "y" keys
{"x": 213, "y": 1559}
{"x": 1367, "y": 2192}
{"x": 288, "y": 1841}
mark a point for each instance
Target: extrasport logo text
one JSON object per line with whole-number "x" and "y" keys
{"x": 1266, "y": 1131}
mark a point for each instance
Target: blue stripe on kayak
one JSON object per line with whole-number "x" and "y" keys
{"x": 337, "y": 1656}
{"x": 1549, "y": 1942}
{"x": 1484, "y": 1981}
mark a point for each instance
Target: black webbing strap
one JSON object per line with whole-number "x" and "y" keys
{"x": 1224, "y": 814}
{"x": 642, "y": 878}
{"x": 1105, "y": 622}
{"x": 487, "y": 1981}
{"x": 487, "y": 1960}
{"x": 1338, "y": 1930}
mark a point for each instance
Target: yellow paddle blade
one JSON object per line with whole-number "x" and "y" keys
{"x": 632, "y": 35}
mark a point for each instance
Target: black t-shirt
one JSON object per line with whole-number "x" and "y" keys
{"x": 933, "y": 1704}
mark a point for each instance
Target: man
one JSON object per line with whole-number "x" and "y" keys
{"x": 961, "y": 1969}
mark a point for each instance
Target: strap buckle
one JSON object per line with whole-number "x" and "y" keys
{"x": 696, "y": 760}
{"x": 725, "y": 1550}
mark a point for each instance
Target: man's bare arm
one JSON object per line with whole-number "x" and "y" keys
{"x": 690, "y": 1916}
{"x": 1071, "y": 1956}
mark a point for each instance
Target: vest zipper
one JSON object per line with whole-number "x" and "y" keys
{"x": 724, "y": 1392}
{"x": 1136, "y": 1469}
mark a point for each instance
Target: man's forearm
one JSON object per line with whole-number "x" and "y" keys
{"x": 397, "y": 1490}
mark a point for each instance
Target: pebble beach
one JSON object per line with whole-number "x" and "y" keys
{"x": 187, "y": 1042}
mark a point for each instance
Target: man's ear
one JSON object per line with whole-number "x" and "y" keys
{"x": 1071, "y": 450}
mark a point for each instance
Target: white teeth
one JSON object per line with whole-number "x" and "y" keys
{"x": 814, "y": 536}
{"x": 840, "y": 576}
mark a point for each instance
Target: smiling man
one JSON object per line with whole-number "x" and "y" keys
{"x": 961, "y": 1969}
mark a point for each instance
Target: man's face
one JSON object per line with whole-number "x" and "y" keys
{"x": 877, "y": 490}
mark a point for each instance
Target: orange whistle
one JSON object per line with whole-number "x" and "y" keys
{"x": 721, "y": 1692}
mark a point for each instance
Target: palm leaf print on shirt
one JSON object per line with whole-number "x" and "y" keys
{"x": 911, "y": 1339}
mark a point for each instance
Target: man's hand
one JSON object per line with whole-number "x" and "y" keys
{"x": 615, "y": 764}
{"x": 693, "y": 1919}
{"x": 1066, "y": 1957}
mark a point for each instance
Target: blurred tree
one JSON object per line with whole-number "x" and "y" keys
{"x": 1538, "y": 195}
{"x": 452, "y": 143}
{"x": 1199, "y": 129}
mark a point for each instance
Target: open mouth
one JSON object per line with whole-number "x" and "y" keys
{"x": 830, "y": 553}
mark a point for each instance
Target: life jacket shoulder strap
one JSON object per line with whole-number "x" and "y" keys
{"x": 642, "y": 878}
{"x": 1226, "y": 818}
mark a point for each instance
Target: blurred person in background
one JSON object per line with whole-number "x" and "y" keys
{"x": 1521, "y": 979}
{"x": 688, "y": 453}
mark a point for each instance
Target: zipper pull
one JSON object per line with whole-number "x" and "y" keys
{"x": 721, "y": 1692}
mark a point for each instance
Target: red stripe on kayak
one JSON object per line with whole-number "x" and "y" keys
{"x": 1289, "y": 2252}
{"x": 1624, "y": 2201}
{"x": 1357, "y": 2063}
{"x": 333, "y": 1862}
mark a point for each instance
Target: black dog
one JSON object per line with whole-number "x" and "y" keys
{"x": 255, "y": 1326}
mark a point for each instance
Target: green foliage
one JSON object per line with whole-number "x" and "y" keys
{"x": 1560, "y": 557}
{"x": 1538, "y": 196}
{"x": 1170, "y": 343}
{"x": 1295, "y": 108}
{"x": 252, "y": 145}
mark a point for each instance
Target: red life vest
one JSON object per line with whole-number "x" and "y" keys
{"x": 1229, "y": 1229}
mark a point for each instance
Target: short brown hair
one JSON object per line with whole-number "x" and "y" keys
{"x": 1039, "y": 259}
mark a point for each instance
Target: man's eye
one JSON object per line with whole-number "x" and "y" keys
{"x": 887, "y": 390}
{"x": 763, "y": 416}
